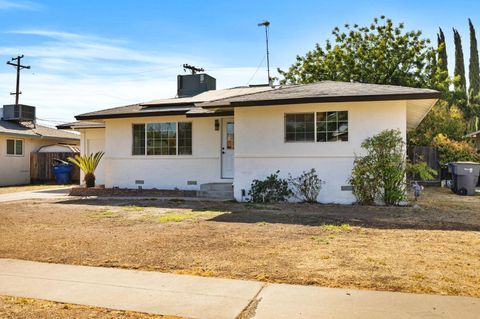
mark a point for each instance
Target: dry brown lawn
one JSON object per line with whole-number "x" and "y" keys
{"x": 26, "y": 308}
{"x": 432, "y": 249}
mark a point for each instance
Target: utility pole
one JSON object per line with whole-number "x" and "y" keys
{"x": 266, "y": 24}
{"x": 19, "y": 67}
{"x": 192, "y": 68}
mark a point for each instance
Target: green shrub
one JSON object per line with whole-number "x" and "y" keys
{"x": 270, "y": 190}
{"x": 380, "y": 174}
{"x": 420, "y": 171}
{"x": 454, "y": 151}
{"x": 306, "y": 186}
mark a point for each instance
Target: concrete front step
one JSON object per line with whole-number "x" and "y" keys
{"x": 216, "y": 190}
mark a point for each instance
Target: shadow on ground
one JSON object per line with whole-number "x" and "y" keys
{"x": 433, "y": 214}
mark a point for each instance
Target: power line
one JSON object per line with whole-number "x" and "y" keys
{"x": 255, "y": 73}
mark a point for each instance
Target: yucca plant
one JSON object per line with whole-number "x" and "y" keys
{"x": 88, "y": 164}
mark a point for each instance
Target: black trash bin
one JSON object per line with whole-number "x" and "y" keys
{"x": 464, "y": 177}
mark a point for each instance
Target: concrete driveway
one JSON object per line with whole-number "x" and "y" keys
{"x": 51, "y": 193}
{"x": 215, "y": 298}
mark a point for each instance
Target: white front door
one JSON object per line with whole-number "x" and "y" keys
{"x": 228, "y": 147}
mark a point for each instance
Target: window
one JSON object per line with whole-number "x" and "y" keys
{"x": 327, "y": 126}
{"x": 162, "y": 138}
{"x": 332, "y": 126}
{"x": 138, "y": 139}
{"x": 230, "y": 136}
{"x": 299, "y": 127}
{"x": 185, "y": 138}
{"x": 15, "y": 147}
{"x": 169, "y": 138}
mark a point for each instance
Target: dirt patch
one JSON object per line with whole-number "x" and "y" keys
{"x": 433, "y": 249}
{"x": 26, "y": 308}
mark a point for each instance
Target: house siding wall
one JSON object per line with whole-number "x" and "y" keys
{"x": 15, "y": 170}
{"x": 92, "y": 141}
{"x": 261, "y": 150}
{"x": 122, "y": 169}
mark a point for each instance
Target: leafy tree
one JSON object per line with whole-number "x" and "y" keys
{"x": 381, "y": 53}
{"x": 459, "y": 71}
{"x": 442, "y": 118}
{"x": 453, "y": 151}
{"x": 473, "y": 70}
{"x": 474, "y": 77}
{"x": 442, "y": 52}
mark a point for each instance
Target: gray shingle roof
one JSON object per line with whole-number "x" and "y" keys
{"x": 15, "y": 128}
{"x": 135, "y": 110}
{"x": 172, "y": 106}
{"x": 325, "y": 91}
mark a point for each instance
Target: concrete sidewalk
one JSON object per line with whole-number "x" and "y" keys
{"x": 51, "y": 193}
{"x": 200, "y": 297}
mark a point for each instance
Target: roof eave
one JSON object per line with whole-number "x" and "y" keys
{"x": 328, "y": 99}
{"x": 128, "y": 115}
{"x": 40, "y": 136}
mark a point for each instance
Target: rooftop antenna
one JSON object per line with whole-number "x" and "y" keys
{"x": 192, "y": 68}
{"x": 19, "y": 67}
{"x": 266, "y": 24}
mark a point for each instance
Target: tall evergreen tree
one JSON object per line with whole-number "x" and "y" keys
{"x": 460, "y": 83}
{"x": 473, "y": 70}
{"x": 442, "y": 51}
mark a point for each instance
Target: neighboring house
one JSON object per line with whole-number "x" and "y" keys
{"x": 234, "y": 136}
{"x": 20, "y": 136}
{"x": 476, "y": 136}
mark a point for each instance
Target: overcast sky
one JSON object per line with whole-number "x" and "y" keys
{"x": 88, "y": 55}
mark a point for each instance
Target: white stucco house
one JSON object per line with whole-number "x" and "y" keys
{"x": 232, "y": 136}
{"x": 20, "y": 135}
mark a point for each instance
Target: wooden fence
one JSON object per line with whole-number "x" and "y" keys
{"x": 41, "y": 167}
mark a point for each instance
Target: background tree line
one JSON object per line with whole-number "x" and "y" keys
{"x": 385, "y": 53}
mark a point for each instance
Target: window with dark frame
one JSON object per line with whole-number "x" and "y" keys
{"x": 138, "y": 147}
{"x": 330, "y": 127}
{"x": 14, "y": 147}
{"x": 300, "y": 127}
{"x": 184, "y": 138}
{"x": 168, "y": 138}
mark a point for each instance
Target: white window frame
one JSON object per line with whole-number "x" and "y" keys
{"x": 15, "y": 147}
{"x": 315, "y": 127}
{"x": 146, "y": 141}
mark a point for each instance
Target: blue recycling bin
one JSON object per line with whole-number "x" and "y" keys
{"x": 62, "y": 173}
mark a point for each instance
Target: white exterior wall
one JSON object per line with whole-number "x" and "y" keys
{"x": 122, "y": 168}
{"x": 93, "y": 141}
{"x": 260, "y": 149}
{"x": 15, "y": 170}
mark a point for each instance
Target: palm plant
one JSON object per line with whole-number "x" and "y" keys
{"x": 88, "y": 164}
